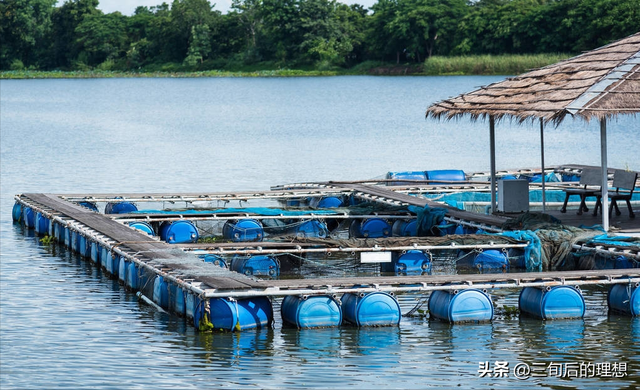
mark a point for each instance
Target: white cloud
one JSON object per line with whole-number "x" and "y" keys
{"x": 126, "y": 7}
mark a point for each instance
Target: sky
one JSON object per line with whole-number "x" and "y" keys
{"x": 126, "y": 7}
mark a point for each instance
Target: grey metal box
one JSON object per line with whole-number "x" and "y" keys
{"x": 513, "y": 195}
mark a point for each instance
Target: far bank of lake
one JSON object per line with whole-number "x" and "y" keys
{"x": 486, "y": 65}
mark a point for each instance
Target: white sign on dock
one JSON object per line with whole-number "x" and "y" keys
{"x": 375, "y": 257}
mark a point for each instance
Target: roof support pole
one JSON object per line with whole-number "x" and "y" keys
{"x": 492, "y": 140}
{"x": 605, "y": 174}
{"x": 544, "y": 196}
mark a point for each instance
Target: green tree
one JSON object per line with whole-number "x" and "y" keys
{"x": 247, "y": 15}
{"x": 281, "y": 26}
{"x": 200, "y": 46}
{"x": 383, "y": 43}
{"x": 324, "y": 38}
{"x": 424, "y": 26}
{"x": 185, "y": 14}
{"x": 102, "y": 37}
{"x": 66, "y": 19}
{"x": 24, "y": 27}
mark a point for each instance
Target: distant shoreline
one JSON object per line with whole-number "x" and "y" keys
{"x": 435, "y": 66}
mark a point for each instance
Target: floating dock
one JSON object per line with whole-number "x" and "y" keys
{"x": 180, "y": 278}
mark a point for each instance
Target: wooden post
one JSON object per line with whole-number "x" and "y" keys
{"x": 492, "y": 140}
{"x": 544, "y": 197}
{"x": 605, "y": 174}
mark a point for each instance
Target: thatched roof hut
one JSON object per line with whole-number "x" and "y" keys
{"x": 596, "y": 84}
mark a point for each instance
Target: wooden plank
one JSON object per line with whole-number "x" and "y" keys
{"x": 138, "y": 242}
{"x": 192, "y": 196}
{"x": 348, "y": 282}
{"x": 492, "y": 220}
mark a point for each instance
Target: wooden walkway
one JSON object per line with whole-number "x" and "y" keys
{"x": 210, "y": 281}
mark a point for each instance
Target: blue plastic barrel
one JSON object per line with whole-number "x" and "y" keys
{"x": 179, "y": 232}
{"x": 255, "y": 265}
{"x": 446, "y": 175}
{"x": 120, "y": 208}
{"x": 215, "y": 259}
{"x": 536, "y": 178}
{"x": 90, "y": 205}
{"x": 122, "y": 268}
{"x": 311, "y": 228}
{"x": 84, "y": 246}
{"x": 372, "y": 309}
{"x": 132, "y": 279}
{"x": 240, "y": 314}
{"x": 552, "y": 302}
{"x": 461, "y": 229}
{"x": 370, "y": 228}
{"x": 625, "y": 299}
{"x": 177, "y": 299}
{"x": 95, "y": 252}
{"x": 41, "y": 224}
{"x": 143, "y": 227}
{"x": 75, "y": 241}
{"x": 58, "y": 232}
{"x": 491, "y": 261}
{"x": 29, "y": 217}
{"x": 105, "y": 256}
{"x": 66, "y": 233}
{"x": 413, "y": 262}
{"x": 115, "y": 264}
{"x": 567, "y": 177}
{"x": 470, "y": 305}
{"x": 404, "y": 228}
{"x": 16, "y": 212}
{"x": 311, "y": 312}
{"x": 623, "y": 262}
{"x": 191, "y": 303}
{"x": 161, "y": 292}
{"x": 243, "y": 230}
{"x": 109, "y": 261}
{"x": 327, "y": 202}
{"x": 408, "y": 175}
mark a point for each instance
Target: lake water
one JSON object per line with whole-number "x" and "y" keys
{"x": 64, "y": 324}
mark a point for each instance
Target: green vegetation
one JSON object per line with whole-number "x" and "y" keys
{"x": 301, "y": 37}
{"x": 434, "y": 66}
{"x": 87, "y": 74}
{"x": 47, "y": 240}
{"x": 510, "y": 311}
{"x": 488, "y": 64}
{"x": 457, "y": 65}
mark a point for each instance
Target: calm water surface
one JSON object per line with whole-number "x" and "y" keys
{"x": 64, "y": 324}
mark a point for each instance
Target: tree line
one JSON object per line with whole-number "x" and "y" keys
{"x": 319, "y": 34}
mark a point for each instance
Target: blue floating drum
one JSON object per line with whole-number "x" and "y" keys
{"x": 311, "y": 311}
{"x": 470, "y": 305}
{"x": 552, "y": 302}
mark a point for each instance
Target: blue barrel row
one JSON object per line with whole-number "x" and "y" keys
{"x": 382, "y": 309}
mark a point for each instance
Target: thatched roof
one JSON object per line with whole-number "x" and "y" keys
{"x": 599, "y": 83}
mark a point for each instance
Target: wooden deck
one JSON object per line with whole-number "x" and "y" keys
{"x": 212, "y": 281}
